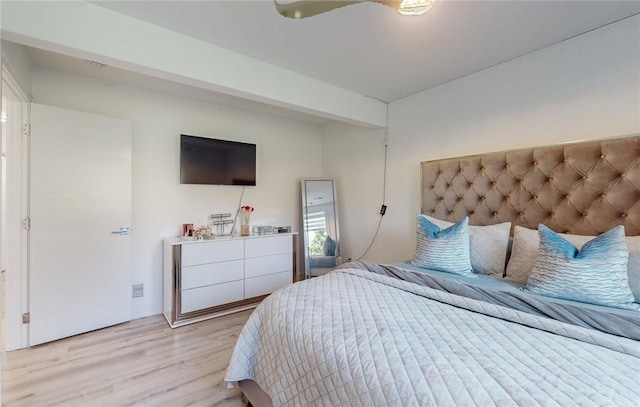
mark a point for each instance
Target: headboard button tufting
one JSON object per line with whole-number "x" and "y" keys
{"x": 595, "y": 182}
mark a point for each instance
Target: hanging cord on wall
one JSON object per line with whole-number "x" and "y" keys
{"x": 235, "y": 219}
{"x": 383, "y": 208}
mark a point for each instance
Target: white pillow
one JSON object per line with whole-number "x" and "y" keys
{"x": 488, "y": 246}
{"x": 524, "y": 253}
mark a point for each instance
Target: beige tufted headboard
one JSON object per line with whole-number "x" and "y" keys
{"x": 582, "y": 188}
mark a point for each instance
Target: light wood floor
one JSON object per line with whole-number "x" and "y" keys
{"x": 139, "y": 363}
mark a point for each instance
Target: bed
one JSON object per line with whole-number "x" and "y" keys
{"x": 492, "y": 329}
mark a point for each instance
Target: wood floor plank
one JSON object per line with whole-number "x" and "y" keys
{"x": 138, "y": 363}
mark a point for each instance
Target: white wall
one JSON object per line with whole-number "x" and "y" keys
{"x": 584, "y": 88}
{"x": 287, "y": 151}
{"x": 16, "y": 60}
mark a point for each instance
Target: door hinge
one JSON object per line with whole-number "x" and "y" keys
{"x": 26, "y": 318}
{"x": 26, "y": 224}
{"x": 26, "y": 130}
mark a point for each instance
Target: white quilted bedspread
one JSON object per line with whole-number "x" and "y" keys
{"x": 354, "y": 338}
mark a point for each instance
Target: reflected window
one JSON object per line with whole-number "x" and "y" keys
{"x": 316, "y": 232}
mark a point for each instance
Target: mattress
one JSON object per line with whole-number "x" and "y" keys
{"x": 354, "y": 337}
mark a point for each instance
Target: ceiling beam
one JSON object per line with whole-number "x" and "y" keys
{"x": 88, "y": 31}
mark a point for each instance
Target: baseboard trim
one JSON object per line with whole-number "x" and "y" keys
{"x": 141, "y": 309}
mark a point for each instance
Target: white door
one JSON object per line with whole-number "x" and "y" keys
{"x": 80, "y": 200}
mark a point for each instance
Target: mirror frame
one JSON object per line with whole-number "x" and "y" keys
{"x": 305, "y": 239}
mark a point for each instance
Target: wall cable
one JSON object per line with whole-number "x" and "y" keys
{"x": 384, "y": 196}
{"x": 235, "y": 219}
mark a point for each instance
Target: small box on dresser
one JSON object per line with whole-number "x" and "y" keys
{"x": 205, "y": 279}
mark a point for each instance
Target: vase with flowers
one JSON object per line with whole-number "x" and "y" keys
{"x": 245, "y": 218}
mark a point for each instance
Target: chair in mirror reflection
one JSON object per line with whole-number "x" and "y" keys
{"x": 320, "y": 226}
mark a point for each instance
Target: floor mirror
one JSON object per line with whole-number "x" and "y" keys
{"x": 321, "y": 234}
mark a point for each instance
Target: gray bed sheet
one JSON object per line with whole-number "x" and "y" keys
{"x": 499, "y": 291}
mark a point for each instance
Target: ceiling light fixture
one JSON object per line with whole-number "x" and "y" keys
{"x": 307, "y": 8}
{"x": 414, "y": 7}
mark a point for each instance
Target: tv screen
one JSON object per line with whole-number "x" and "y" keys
{"x": 216, "y": 162}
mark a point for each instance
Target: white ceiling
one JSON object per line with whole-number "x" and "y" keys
{"x": 370, "y": 49}
{"x": 320, "y": 69}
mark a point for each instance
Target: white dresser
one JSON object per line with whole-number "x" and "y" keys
{"x": 205, "y": 279}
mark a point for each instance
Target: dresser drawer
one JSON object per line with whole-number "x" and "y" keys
{"x": 265, "y": 246}
{"x": 212, "y": 273}
{"x": 211, "y": 295}
{"x": 212, "y": 252}
{"x": 261, "y": 266}
{"x": 254, "y": 287}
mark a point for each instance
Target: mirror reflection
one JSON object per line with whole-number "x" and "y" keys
{"x": 320, "y": 226}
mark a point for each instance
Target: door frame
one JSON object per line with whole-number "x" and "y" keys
{"x": 17, "y": 179}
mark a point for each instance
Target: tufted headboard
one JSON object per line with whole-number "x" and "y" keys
{"x": 583, "y": 188}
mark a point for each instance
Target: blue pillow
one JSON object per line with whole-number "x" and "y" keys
{"x": 596, "y": 274}
{"x": 443, "y": 250}
{"x": 329, "y": 248}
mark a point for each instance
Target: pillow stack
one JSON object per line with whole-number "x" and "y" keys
{"x": 602, "y": 270}
{"x": 487, "y": 245}
{"x": 446, "y": 246}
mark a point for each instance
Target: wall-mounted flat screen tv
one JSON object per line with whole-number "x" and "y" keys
{"x": 216, "y": 162}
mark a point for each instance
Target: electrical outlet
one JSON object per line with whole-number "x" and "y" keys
{"x": 138, "y": 290}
